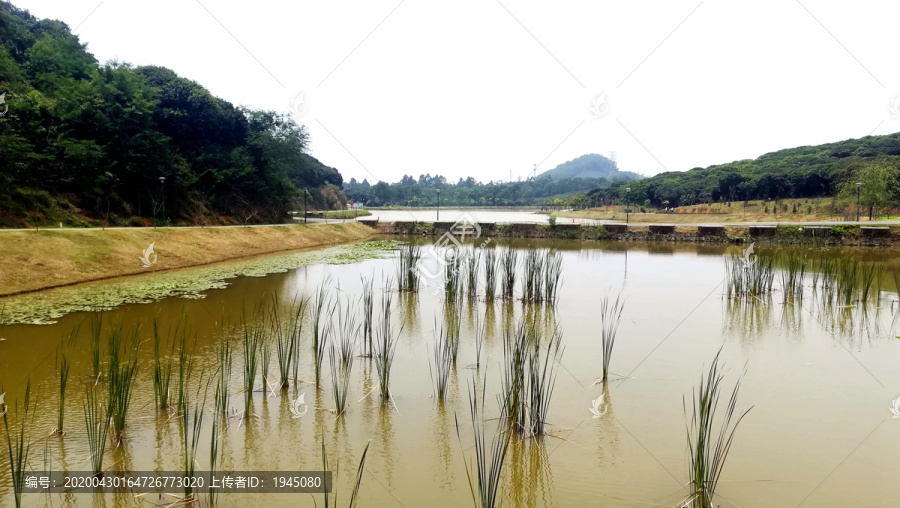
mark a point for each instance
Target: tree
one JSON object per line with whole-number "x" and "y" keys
{"x": 879, "y": 186}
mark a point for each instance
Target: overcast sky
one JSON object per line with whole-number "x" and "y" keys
{"x": 490, "y": 88}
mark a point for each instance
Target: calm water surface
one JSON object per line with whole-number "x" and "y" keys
{"x": 490, "y": 215}
{"x": 820, "y": 384}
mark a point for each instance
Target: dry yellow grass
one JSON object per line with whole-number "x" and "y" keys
{"x": 31, "y": 260}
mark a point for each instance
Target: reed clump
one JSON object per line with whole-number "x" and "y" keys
{"x": 484, "y": 477}
{"x": 385, "y": 348}
{"x": 18, "y": 442}
{"x": 162, "y": 370}
{"x": 610, "y": 318}
{"x": 710, "y": 436}
{"x": 442, "y": 363}
{"x": 407, "y": 268}
{"x": 96, "y": 421}
{"x": 121, "y": 374}
{"x": 509, "y": 261}
{"x": 490, "y": 273}
{"x": 529, "y": 377}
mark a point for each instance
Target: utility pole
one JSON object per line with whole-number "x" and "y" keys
{"x": 438, "y": 205}
{"x": 627, "y": 192}
{"x": 858, "y": 185}
{"x": 305, "y": 207}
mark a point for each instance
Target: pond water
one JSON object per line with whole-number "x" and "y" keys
{"x": 489, "y": 215}
{"x": 820, "y": 379}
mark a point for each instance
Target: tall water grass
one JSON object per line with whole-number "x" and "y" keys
{"x": 287, "y": 339}
{"x": 442, "y": 363}
{"x": 490, "y": 274}
{"x": 223, "y": 379}
{"x": 529, "y": 377}
{"x": 97, "y": 422}
{"x": 367, "y": 300}
{"x": 18, "y": 443}
{"x": 64, "y": 366}
{"x": 253, "y": 333}
{"x": 121, "y": 374}
{"x": 407, "y": 268}
{"x": 185, "y": 361}
{"x": 472, "y": 262}
{"x": 340, "y": 379}
{"x": 746, "y": 278}
{"x": 452, "y": 324}
{"x": 96, "y": 333}
{"x": 552, "y": 276}
{"x": 792, "y": 277}
{"x": 484, "y": 477}
{"x": 323, "y": 313}
{"x": 162, "y": 370}
{"x": 349, "y": 332}
{"x": 610, "y": 318}
{"x": 192, "y": 425}
{"x": 385, "y": 347}
{"x": 533, "y": 276}
{"x": 509, "y": 261}
{"x": 709, "y": 436}
{"x": 452, "y": 272}
{"x": 354, "y": 496}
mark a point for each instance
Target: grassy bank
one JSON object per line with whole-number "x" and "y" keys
{"x": 31, "y": 260}
{"x": 347, "y": 214}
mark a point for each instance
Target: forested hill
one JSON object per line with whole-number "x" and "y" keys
{"x": 117, "y": 144}
{"x": 831, "y": 169}
{"x": 590, "y": 165}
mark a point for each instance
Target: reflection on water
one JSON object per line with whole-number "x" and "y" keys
{"x": 821, "y": 364}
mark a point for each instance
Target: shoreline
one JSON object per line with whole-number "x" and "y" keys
{"x": 850, "y": 235}
{"x": 38, "y": 260}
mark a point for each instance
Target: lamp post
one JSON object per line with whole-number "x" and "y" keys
{"x": 627, "y": 192}
{"x": 438, "y": 205}
{"x": 858, "y": 185}
{"x": 162, "y": 195}
{"x": 305, "y": 207}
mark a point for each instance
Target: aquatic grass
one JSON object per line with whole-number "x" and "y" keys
{"x": 223, "y": 378}
{"x": 340, "y": 379}
{"x": 452, "y": 322}
{"x": 367, "y": 300}
{"x": 489, "y": 458}
{"x": 442, "y": 363}
{"x": 213, "y": 456}
{"x": 64, "y": 366}
{"x": 96, "y": 333}
{"x": 162, "y": 370}
{"x": 490, "y": 273}
{"x": 192, "y": 424}
{"x": 349, "y": 332}
{"x": 407, "y": 268}
{"x": 746, "y": 278}
{"x": 472, "y": 263}
{"x": 323, "y": 313}
{"x": 354, "y": 496}
{"x": 792, "y": 277}
{"x": 97, "y": 422}
{"x": 610, "y": 318}
{"x": 533, "y": 276}
{"x": 552, "y": 275}
{"x": 516, "y": 341}
{"x": 385, "y": 347}
{"x": 541, "y": 382}
{"x": 509, "y": 261}
{"x": 480, "y": 330}
{"x": 287, "y": 339}
{"x": 452, "y": 268}
{"x": 18, "y": 443}
{"x": 185, "y": 360}
{"x": 121, "y": 373}
{"x": 265, "y": 355}
{"x": 709, "y": 447}
{"x": 252, "y": 336}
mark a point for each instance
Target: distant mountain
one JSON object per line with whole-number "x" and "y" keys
{"x": 591, "y": 165}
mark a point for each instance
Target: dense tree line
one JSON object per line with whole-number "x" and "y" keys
{"x": 811, "y": 171}
{"x": 119, "y": 141}
{"x": 424, "y": 191}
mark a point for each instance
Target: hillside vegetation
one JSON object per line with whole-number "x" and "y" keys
{"x": 829, "y": 170}
{"x": 83, "y": 142}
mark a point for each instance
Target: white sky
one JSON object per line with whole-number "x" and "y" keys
{"x": 487, "y": 88}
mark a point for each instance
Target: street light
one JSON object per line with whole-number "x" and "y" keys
{"x": 627, "y": 192}
{"x": 858, "y": 185}
{"x": 162, "y": 195}
{"x": 438, "y": 205}
{"x": 305, "y": 206}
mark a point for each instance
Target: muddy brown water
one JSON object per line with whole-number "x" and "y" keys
{"x": 820, "y": 383}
